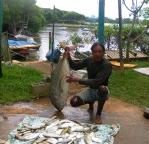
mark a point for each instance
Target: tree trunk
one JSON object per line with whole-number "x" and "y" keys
{"x": 120, "y": 35}
{"x": 127, "y": 51}
{"x": 14, "y": 27}
{"x": 108, "y": 43}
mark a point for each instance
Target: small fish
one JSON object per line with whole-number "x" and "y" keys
{"x": 77, "y": 129}
{"x": 49, "y": 121}
{"x": 61, "y": 141}
{"x": 51, "y": 135}
{"x": 22, "y": 130}
{"x": 44, "y": 142}
{"x": 79, "y": 135}
{"x": 29, "y": 136}
{"x": 65, "y": 121}
{"x": 115, "y": 129}
{"x": 26, "y": 132}
{"x": 97, "y": 140}
{"x": 39, "y": 140}
{"x": 74, "y": 134}
{"x": 52, "y": 140}
{"x": 34, "y": 127}
{"x": 66, "y": 125}
{"x": 59, "y": 131}
{"x": 53, "y": 124}
{"x": 81, "y": 141}
{"x": 51, "y": 129}
{"x": 88, "y": 138}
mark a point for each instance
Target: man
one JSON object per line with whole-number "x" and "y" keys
{"x": 99, "y": 70}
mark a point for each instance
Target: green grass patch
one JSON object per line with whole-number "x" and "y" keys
{"x": 15, "y": 85}
{"x": 131, "y": 86}
{"x": 141, "y": 63}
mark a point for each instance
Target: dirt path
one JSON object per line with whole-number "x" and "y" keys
{"x": 134, "y": 128}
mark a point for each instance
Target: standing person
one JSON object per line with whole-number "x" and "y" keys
{"x": 99, "y": 70}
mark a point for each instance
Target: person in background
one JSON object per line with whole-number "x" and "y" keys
{"x": 99, "y": 70}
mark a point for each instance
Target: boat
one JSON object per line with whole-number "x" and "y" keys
{"x": 85, "y": 29}
{"x": 20, "y": 46}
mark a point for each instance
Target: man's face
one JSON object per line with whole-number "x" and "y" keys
{"x": 97, "y": 53}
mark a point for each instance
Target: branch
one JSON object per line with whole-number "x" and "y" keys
{"x": 133, "y": 24}
{"x": 137, "y": 10}
{"x": 127, "y": 6}
{"x": 138, "y": 36}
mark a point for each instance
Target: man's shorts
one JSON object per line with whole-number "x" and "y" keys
{"x": 91, "y": 95}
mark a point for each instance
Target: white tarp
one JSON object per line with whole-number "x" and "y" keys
{"x": 144, "y": 71}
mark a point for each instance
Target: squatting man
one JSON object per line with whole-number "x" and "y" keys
{"x": 99, "y": 70}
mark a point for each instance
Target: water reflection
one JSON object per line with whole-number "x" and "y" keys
{"x": 61, "y": 34}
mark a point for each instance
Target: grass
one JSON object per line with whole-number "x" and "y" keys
{"x": 131, "y": 86}
{"x": 15, "y": 85}
{"x": 126, "y": 85}
{"x": 141, "y": 63}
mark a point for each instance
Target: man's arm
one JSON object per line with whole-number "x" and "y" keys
{"x": 78, "y": 65}
{"x": 74, "y": 65}
{"x": 100, "y": 78}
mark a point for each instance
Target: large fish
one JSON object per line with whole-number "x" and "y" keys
{"x": 59, "y": 87}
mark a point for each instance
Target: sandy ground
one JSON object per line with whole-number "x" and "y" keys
{"x": 134, "y": 128}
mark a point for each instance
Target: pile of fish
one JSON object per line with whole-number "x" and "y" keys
{"x": 36, "y": 130}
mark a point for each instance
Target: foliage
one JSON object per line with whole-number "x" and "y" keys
{"x": 134, "y": 10}
{"x": 63, "y": 16}
{"x": 76, "y": 39}
{"x": 21, "y": 14}
{"x": 145, "y": 13}
{"x": 15, "y": 85}
{"x": 131, "y": 86}
{"x": 142, "y": 42}
{"x": 36, "y": 21}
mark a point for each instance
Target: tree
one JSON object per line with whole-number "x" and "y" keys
{"x": 20, "y": 15}
{"x": 145, "y": 13}
{"x": 108, "y": 33}
{"x": 134, "y": 10}
{"x": 63, "y": 16}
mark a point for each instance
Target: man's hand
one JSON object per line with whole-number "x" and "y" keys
{"x": 66, "y": 53}
{"x": 72, "y": 79}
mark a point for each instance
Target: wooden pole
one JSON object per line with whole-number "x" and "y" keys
{"x": 53, "y": 29}
{"x": 101, "y": 20}
{"x": 50, "y": 41}
{"x": 1, "y": 25}
{"x": 120, "y": 35}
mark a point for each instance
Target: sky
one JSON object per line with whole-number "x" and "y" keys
{"x": 87, "y": 7}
